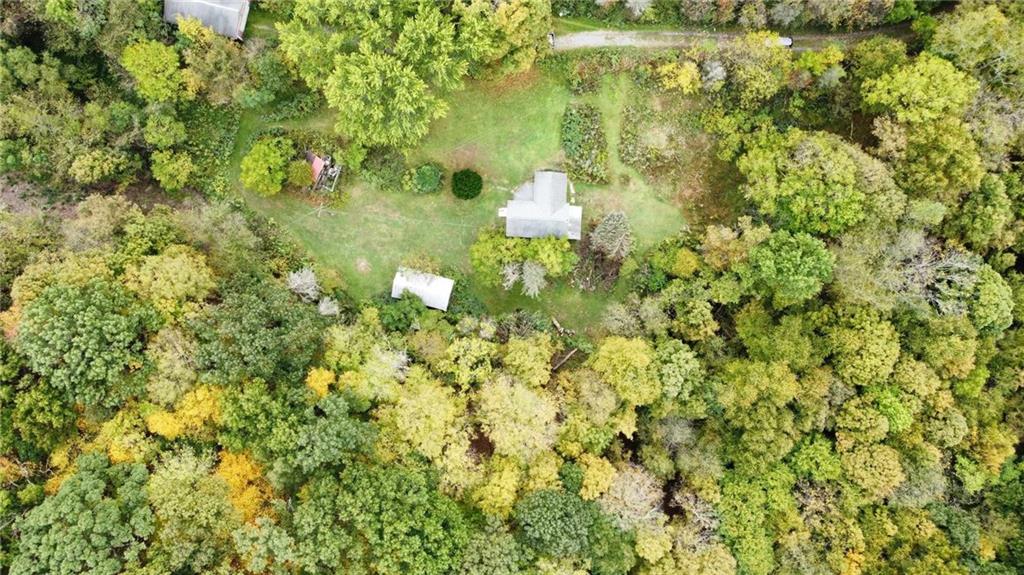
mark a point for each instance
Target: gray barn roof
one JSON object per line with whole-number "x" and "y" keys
{"x": 435, "y": 291}
{"x": 540, "y": 209}
{"x": 225, "y": 17}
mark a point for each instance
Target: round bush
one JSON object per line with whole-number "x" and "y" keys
{"x": 466, "y": 184}
{"x": 425, "y": 179}
{"x": 265, "y": 167}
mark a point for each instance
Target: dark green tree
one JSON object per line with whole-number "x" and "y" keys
{"x": 326, "y": 437}
{"x": 259, "y": 331}
{"x": 99, "y": 522}
{"x": 87, "y": 340}
{"x": 787, "y": 268}
{"x": 379, "y": 519}
{"x": 494, "y": 551}
{"x": 555, "y": 523}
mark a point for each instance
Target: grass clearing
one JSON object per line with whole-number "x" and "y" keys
{"x": 260, "y": 24}
{"x": 505, "y": 131}
{"x": 376, "y": 230}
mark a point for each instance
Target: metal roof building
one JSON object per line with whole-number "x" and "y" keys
{"x": 435, "y": 291}
{"x": 540, "y": 208}
{"x": 225, "y": 17}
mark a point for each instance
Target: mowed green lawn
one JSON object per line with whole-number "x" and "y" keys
{"x": 505, "y": 131}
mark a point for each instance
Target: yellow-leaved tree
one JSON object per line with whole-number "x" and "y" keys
{"x": 248, "y": 490}
{"x": 195, "y": 415}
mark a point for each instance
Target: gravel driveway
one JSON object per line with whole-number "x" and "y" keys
{"x": 682, "y": 38}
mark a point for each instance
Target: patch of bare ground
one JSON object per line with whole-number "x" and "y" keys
{"x": 593, "y": 270}
{"x": 465, "y": 156}
{"x": 23, "y": 198}
{"x": 363, "y": 265}
{"x": 706, "y": 188}
{"x": 515, "y": 82}
{"x": 148, "y": 195}
{"x": 480, "y": 446}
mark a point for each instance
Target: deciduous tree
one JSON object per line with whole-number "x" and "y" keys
{"x": 519, "y": 421}
{"x": 87, "y": 340}
{"x": 259, "y": 330}
{"x": 928, "y": 89}
{"x": 628, "y": 366}
{"x": 98, "y": 522}
{"x": 757, "y": 401}
{"x": 385, "y": 65}
{"x": 156, "y": 70}
{"x": 172, "y": 169}
{"x": 864, "y": 346}
{"x": 986, "y": 42}
{"x": 757, "y": 65}
{"x": 193, "y": 515}
{"x": 175, "y": 281}
{"x": 555, "y": 523}
{"x": 814, "y": 182}
{"x": 386, "y": 520}
{"x": 264, "y": 167}
{"x": 529, "y": 359}
{"x": 788, "y": 268}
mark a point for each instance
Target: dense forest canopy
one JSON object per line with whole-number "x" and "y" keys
{"x": 826, "y": 381}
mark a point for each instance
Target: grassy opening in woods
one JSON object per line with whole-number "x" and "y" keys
{"x": 504, "y": 129}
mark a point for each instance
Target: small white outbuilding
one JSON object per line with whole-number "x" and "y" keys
{"x": 435, "y": 291}
{"x": 225, "y": 17}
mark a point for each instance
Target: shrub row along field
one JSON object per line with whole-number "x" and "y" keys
{"x": 583, "y": 139}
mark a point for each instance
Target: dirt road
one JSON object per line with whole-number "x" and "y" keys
{"x": 683, "y": 38}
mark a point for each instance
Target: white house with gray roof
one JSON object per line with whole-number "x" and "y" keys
{"x": 225, "y": 17}
{"x": 541, "y": 208}
{"x": 435, "y": 291}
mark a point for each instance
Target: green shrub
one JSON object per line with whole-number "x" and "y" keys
{"x": 171, "y": 169}
{"x": 647, "y": 141}
{"x": 281, "y": 8}
{"x": 500, "y": 260}
{"x": 466, "y": 184}
{"x": 401, "y": 314}
{"x": 586, "y": 151}
{"x": 211, "y": 137}
{"x": 424, "y": 179}
{"x": 383, "y": 168}
{"x": 300, "y": 174}
{"x": 264, "y": 167}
